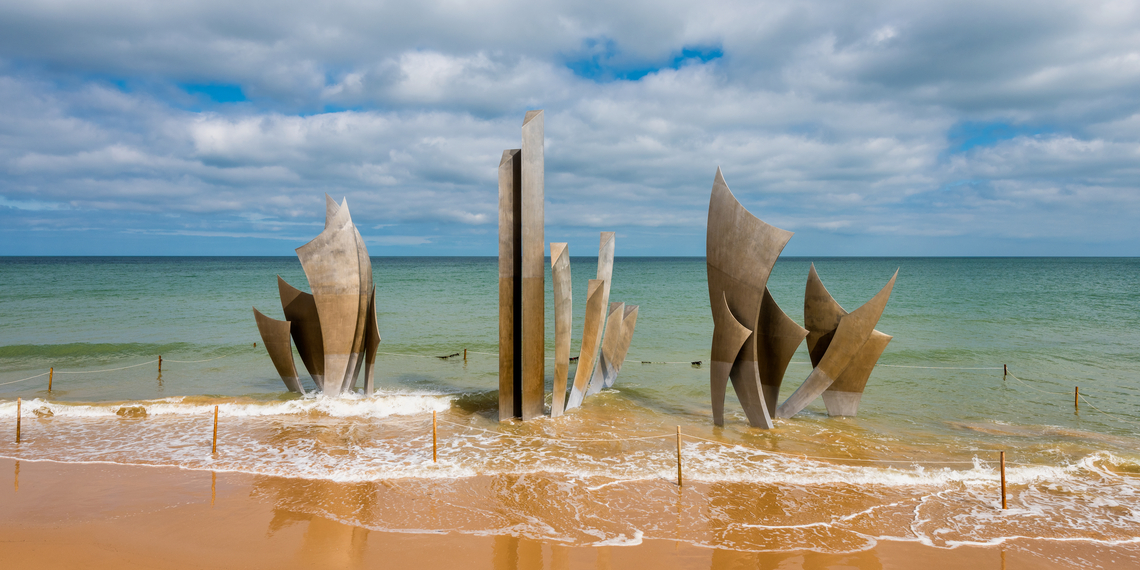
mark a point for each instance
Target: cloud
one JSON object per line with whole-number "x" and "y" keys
{"x": 842, "y": 122}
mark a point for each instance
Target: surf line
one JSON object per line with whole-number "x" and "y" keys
{"x": 725, "y": 444}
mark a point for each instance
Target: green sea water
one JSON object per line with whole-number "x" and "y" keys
{"x": 938, "y": 404}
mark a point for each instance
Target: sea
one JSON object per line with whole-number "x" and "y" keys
{"x": 988, "y": 356}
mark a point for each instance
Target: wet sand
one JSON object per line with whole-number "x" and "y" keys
{"x": 60, "y": 515}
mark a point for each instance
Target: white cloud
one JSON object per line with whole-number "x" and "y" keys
{"x": 827, "y": 117}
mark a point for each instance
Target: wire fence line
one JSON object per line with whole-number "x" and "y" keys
{"x": 941, "y": 367}
{"x": 25, "y": 379}
{"x": 1081, "y": 397}
{"x": 1032, "y": 387}
{"x": 197, "y": 361}
{"x": 1093, "y": 406}
{"x": 405, "y": 354}
{"x": 702, "y": 361}
{"x": 682, "y": 436}
{"x": 106, "y": 370}
{"x": 155, "y": 361}
{"x": 1004, "y": 368}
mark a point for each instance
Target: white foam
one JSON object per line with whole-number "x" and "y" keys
{"x": 621, "y": 540}
{"x": 735, "y": 464}
{"x": 379, "y": 405}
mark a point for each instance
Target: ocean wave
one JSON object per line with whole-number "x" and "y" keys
{"x": 86, "y": 350}
{"x": 379, "y": 405}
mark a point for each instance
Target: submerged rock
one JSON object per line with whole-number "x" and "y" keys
{"x": 43, "y": 412}
{"x": 131, "y": 412}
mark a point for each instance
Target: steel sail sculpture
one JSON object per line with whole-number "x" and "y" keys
{"x": 844, "y": 348}
{"x": 335, "y": 328}
{"x": 740, "y": 252}
{"x": 754, "y": 340}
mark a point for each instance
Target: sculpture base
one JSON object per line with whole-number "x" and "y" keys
{"x": 842, "y": 403}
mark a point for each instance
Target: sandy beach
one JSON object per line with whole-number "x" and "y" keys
{"x": 114, "y": 516}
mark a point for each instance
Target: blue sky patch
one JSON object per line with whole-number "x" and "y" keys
{"x": 217, "y": 92}
{"x": 967, "y": 135}
{"x": 602, "y": 61}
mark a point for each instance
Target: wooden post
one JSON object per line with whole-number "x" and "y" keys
{"x": 1003, "y": 506}
{"x": 51, "y": 374}
{"x": 160, "y": 364}
{"x": 1076, "y": 399}
{"x": 1004, "y": 371}
{"x": 434, "y": 440}
{"x": 215, "y": 429}
{"x": 19, "y": 404}
{"x": 680, "y": 481}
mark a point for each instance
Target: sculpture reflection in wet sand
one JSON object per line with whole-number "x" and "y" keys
{"x": 754, "y": 340}
{"x": 522, "y": 346}
{"x": 335, "y": 327}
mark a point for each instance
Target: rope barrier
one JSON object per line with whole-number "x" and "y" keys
{"x": 692, "y": 363}
{"x": 196, "y": 361}
{"x": 938, "y": 367}
{"x": 1030, "y": 386}
{"x": 702, "y": 361}
{"x": 1117, "y": 417}
{"x": 25, "y": 379}
{"x": 107, "y": 370}
{"x": 112, "y": 369}
{"x": 412, "y": 355}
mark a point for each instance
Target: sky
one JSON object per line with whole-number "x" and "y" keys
{"x": 869, "y": 128}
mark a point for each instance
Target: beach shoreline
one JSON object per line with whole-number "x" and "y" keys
{"x": 64, "y": 515}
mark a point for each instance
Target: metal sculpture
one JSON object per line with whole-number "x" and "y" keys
{"x": 628, "y": 323}
{"x": 591, "y": 337}
{"x": 521, "y": 276}
{"x": 301, "y": 310}
{"x": 778, "y": 337}
{"x": 615, "y": 345}
{"x": 275, "y": 337}
{"x": 843, "y": 396}
{"x": 334, "y": 328}
{"x": 606, "y": 245}
{"x": 593, "y": 327}
{"x": 563, "y": 320}
{"x": 741, "y": 250}
{"x": 842, "y": 345}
